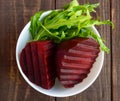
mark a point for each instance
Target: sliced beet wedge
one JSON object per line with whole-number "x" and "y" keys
{"x": 37, "y": 62}
{"x": 73, "y": 71}
{"x": 23, "y": 62}
{"x": 74, "y": 59}
{"x": 46, "y": 61}
{"x": 29, "y": 63}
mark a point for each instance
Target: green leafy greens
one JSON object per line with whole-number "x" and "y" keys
{"x": 72, "y": 21}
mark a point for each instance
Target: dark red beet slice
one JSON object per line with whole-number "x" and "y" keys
{"x": 73, "y": 71}
{"x": 90, "y": 42}
{"x": 74, "y": 59}
{"x": 69, "y": 77}
{"x": 70, "y": 82}
{"x": 45, "y": 54}
{"x": 36, "y": 60}
{"x": 75, "y": 65}
{"x": 77, "y": 60}
{"x": 82, "y": 54}
{"x": 29, "y": 62}
{"x": 35, "y": 63}
{"x": 86, "y": 48}
{"x": 23, "y": 62}
{"x": 72, "y": 77}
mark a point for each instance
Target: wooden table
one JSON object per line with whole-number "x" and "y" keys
{"x": 14, "y": 14}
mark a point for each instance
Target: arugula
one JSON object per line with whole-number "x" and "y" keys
{"x": 74, "y": 20}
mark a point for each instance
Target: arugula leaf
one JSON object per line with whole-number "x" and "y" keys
{"x": 72, "y": 21}
{"x": 72, "y": 4}
{"x": 87, "y": 33}
{"x": 35, "y": 24}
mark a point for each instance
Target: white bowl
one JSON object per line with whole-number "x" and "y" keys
{"x": 58, "y": 90}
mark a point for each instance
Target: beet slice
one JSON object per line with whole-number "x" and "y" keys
{"x": 23, "y": 62}
{"x": 75, "y": 65}
{"x": 74, "y": 59}
{"x": 82, "y": 54}
{"x": 90, "y": 42}
{"x": 37, "y": 60}
{"x": 73, "y": 71}
{"x": 45, "y": 54}
{"x": 77, "y": 60}
{"x": 71, "y": 80}
{"x": 72, "y": 77}
{"x": 70, "y": 83}
{"x": 86, "y": 48}
{"x": 35, "y": 63}
{"x": 29, "y": 63}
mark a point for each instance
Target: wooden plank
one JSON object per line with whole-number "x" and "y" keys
{"x": 115, "y": 8}
{"x": 4, "y": 51}
{"x": 101, "y": 88}
{"x": 14, "y": 15}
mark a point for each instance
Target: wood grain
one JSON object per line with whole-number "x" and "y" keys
{"x": 115, "y": 8}
{"x": 101, "y": 88}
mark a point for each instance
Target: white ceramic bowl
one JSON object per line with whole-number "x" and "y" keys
{"x": 58, "y": 90}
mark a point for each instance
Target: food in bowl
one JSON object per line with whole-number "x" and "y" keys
{"x": 36, "y": 60}
{"x": 44, "y": 53}
{"x": 74, "y": 59}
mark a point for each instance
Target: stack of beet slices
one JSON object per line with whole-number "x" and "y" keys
{"x": 70, "y": 61}
{"x": 74, "y": 59}
{"x": 37, "y": 63}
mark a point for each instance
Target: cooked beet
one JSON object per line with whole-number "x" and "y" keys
{"x": 29, "y": 62}
{"x": 73, "y": 71}
{"x": 37, "y": 60}
{"x": 65, "y": 77}
{"x": 74, "y": 59}
{"x": 35, "y": 63}
{"x": 23, "y": 62}
{"x": 46, "y": 59}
